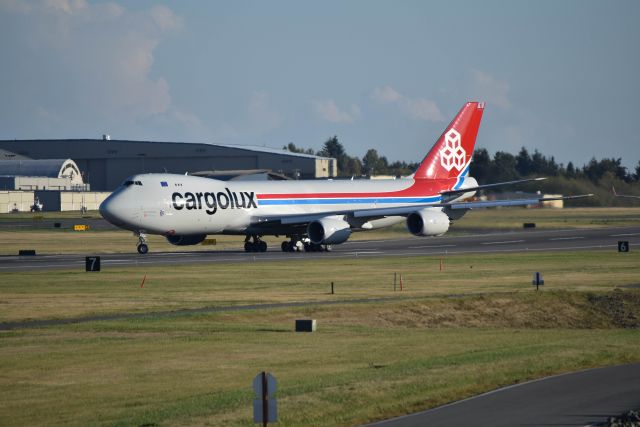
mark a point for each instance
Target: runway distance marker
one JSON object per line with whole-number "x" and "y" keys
{"x": 623, "y": 246}
{"x": 92, "y": 263}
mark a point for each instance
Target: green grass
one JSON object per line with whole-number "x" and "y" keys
{"x": 63, "y": 293}
{"x": 513, "y": 218}
{"x": 367, "y": 361}
{"x": 373, "y": 364}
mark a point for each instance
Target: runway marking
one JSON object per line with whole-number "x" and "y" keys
{"x": 568, "y": 238}
{"x": 502, "y": 243}
{"x": 624, "y": 234}
{"x": 431, "y": 246}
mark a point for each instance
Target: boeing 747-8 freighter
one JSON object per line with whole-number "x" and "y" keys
{"x": 311, "y": 214}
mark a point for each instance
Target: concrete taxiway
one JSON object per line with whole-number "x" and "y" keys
{"x": 575, "y": 399}
{"x": 520, "y": 241}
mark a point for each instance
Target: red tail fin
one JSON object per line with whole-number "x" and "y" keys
{"x": 451, "y": 154}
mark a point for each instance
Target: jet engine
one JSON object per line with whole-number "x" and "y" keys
{"x": 428, "y": 222}
{"x": 186, "y": 239}
{"x": 328, "y": 231}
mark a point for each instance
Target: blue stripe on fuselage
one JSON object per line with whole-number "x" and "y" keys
{"x": 461, "y": 178}
{"x": 275, "y": 202}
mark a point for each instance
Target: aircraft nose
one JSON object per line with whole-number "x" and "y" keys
{"x": 111, "y": 210}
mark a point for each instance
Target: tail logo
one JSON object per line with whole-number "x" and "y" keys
{"x": 452, "y": 155}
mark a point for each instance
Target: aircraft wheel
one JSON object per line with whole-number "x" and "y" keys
{"x": 143, "y": 249}
{"x": 285, "y": 246}
{"x": 307, "y": 247}
{"x": 247, "y": 246}
{"x": 262, "y": 246}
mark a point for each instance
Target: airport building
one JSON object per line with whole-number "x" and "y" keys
{"x": 47, "y": 184}
{"x": 46, "y": 174}
{"x": 104, "y": 163}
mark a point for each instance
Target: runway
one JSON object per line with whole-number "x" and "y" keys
{"x": 518, "y": 241}
{"x": 575, "y": 399}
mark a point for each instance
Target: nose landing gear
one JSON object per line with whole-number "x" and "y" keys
{"x": 143, "y": 248}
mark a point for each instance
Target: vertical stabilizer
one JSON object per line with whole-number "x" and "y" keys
{"x": 451, "y": 154}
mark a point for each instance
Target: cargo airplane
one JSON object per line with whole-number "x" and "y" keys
{"x": 312, "y": 214}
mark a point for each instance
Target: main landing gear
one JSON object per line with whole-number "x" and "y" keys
{"x": 254, "y": 244}
{"x": 143, "y": 248}
{"x": 298, "y": 245}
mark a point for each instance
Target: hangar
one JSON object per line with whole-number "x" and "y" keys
{"x": 105, "y": 163}
{"x": 45, "y": 174}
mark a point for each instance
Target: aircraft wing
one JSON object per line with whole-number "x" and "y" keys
{"x": 514, "y": 202}
{"x": 482, "y": 187}
{"x": 406, "y": 210}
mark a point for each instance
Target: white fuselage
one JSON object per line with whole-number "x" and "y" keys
{"x": 170, "y": 204}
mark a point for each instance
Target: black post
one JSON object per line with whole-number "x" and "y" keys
{"x": 265, "y": 400}
{"x": 331, "y": 288}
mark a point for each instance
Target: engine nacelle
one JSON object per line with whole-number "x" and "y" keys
{"x": 186, "y": 239}
{"x": 328, "y": 231}
{"x": 428, "y": 222}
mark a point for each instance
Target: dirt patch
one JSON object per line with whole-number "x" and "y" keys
{"x": 621, "y": 307}
{"x": 540, "y": 310}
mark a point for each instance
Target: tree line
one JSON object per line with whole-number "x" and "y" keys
{"x": 597, "y": 176}
{"x": 352, "y": 166}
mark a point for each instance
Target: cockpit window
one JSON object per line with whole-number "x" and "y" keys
{"x": 128, "y": 183}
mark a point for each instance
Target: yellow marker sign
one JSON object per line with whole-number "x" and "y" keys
{"x": 209, "y": 242}
{"x": 80, "y": 227}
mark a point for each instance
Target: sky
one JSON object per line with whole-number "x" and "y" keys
{"x": 562, "y": 77}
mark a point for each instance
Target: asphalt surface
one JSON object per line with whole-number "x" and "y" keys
{"x": 576, "y": 399}
{"x": 520, "y": 241}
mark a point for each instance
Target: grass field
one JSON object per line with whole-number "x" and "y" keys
{"x": 60, "y": 293}
{"x": 59, "y": 241}
{"x": 367, "y": 361}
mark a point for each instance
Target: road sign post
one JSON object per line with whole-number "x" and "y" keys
{"x": 265, "y": 407}
{"x": 537, "y": 280}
